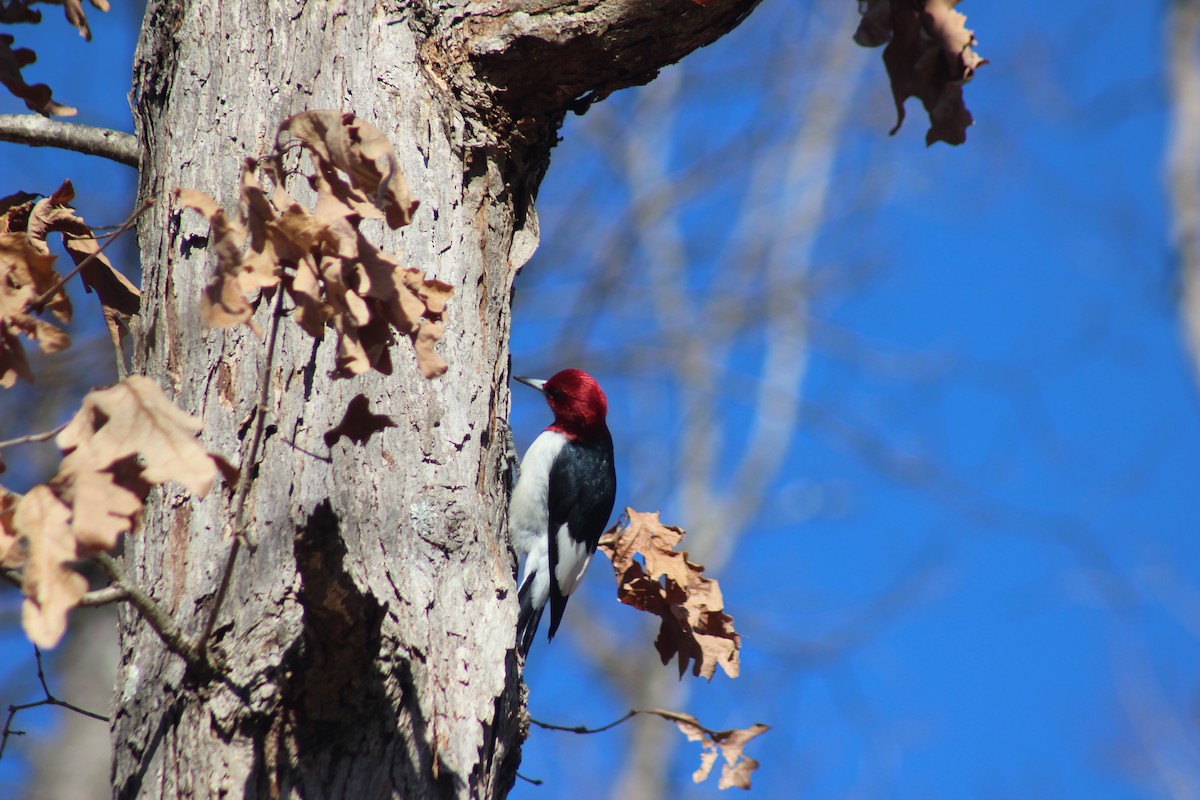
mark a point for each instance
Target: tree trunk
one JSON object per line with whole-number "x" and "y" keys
{"x": 365, "y": 648}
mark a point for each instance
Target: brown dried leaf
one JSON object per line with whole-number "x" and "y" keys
{"x": 929, "y": 56}
{"x": 122, "y": 440}
{"x": 14, "y": 211}
{"x": 224, "y": 304}
{"x": 431, "y": 364}
{"x": 119, "y": 299}
{"x": 38, "y": 96}
{"x": 26, "y": 273}
{"x": 333, "y": 274}
{"x": 134, "y": 418}
{"x": 312, "y": 312}
{"x": 13, "y": 363}
{"x": 50, "y": 339}
{"x": 737, "y": 767}
{"x": 359, "y": 424}
{"x": 12, "y": 552}
{"x": 102, "y": 509}
{"x": 51, "y": 587}
{"x": 694, "y": 626}
{"x": 356, "y": 147}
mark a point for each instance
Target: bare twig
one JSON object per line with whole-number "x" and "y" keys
{"x": 240, "y": 532}
{"x": 33, "y": 437}
{"x": 583, "y": 728}
{"x": 37, "y": 304}
{"x": 37, "y": 131}
{"x": 48, "y": 700}
{"x": 534, "y": 781}
{"x": 99, "y": 597}
{"x": 176, "y": 640}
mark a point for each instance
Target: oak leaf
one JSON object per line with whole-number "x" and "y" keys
{"x": 356, "y": 147}
{"x": 37, "y": 97}
{"x": 693, "y": 624}
{"x": 51, "y": 587}
{"x": 735, "y": 772}
{"x": 12, "y": 553}
{"x": 26, "y": 273}
{"x": 929, "y": 56}
{"x": 224, "y": 304}
{"x": 119, "y": 298}
{"x": 332, "y": 273}
{"x": 134, "y": 418}
{"x": 123, "y": 440}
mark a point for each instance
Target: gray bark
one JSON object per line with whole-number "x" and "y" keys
{"x": 365, "y": 647}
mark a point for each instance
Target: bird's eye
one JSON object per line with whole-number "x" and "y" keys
{"x": 553, "y": 394}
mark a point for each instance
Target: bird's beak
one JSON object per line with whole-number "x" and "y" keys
{"x": 534, "y": 382}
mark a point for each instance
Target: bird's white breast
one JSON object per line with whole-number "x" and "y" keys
{"x": 528, "y": 511}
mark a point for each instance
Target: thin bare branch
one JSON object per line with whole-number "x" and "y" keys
{"x": 176, "y": 640}
{"x": 583, "y": 728}
{"x": 240, "y": 531}
{"x": 93, "y": 599}
{"x": 33, "y": 437}
{"x": 48, "y": 700}
{"x": 38, "y": 131}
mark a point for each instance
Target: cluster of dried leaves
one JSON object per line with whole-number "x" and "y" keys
{"x": 332, "y": 273}
{"x": 694, "y": 625}
{"x": 124, "y": 440}
{"x": 30, "y": 286}
{"x": 928, "y": 56}
{"x": 37, "y": 97}
{"x": 735, "y": 772}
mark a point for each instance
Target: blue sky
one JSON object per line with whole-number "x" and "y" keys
{"x": 998, "y": 475}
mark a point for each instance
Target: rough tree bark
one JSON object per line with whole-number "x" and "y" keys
{"x": 365, "y": 646}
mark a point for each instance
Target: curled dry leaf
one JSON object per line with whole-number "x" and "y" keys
{"x": 333, "y": 274}
{"x": 51, "y": 587}
{"x": 225, "y": 303}
{"x": 27, "y": 273}
{"x": 37, "y": 97}
{"x": 134, "y": 418}
{"x": 12, "y": 554}
{"x": 357, "y": 147}
{"x": 735, "y": 772}
{"x": 929, "y": 56}
{"x": 76, "y": 17}
{"x": 694, "y": 625}
{"x": 119, "y": 298}
{"x": 122, "y": 441}
{"x": 29, "y": 282}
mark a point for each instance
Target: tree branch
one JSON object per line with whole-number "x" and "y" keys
{"x": 48, "y": 700}
{"x": 37, "y": 131}
{"x": 98, "y": 597}
{"x": 176, "y": 640}
{"x": 33, "y": 437}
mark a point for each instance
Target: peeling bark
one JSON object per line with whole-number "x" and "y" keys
{"x": 366, "y": 644}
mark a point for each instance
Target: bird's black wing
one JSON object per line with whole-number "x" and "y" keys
{"x": 583, "y": 488}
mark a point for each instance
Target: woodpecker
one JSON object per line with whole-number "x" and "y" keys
{"x": 563, "y": 498}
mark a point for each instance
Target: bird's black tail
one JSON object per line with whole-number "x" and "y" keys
{"x": 528, "y": 618}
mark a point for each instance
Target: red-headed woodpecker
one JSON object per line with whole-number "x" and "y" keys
{"x": 563, "y": 498}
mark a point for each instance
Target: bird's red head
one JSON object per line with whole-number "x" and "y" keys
{"x": 578, "y": 403}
